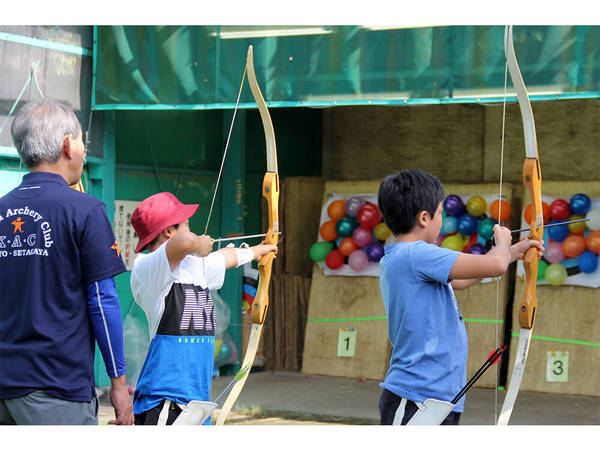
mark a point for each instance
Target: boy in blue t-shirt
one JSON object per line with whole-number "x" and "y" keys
{"x": 425, "y": 327}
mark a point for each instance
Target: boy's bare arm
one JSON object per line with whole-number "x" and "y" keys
{"x": 185, "y": 243}
{"x": 468, "y": 267}
{"x": 258, "y": 251}
{"x": 459, "y": 285}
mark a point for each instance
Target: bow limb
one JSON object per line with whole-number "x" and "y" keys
{"x": 532, "y": 179}
{"x": 271, "y": 194}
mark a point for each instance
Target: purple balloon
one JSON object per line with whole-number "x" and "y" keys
{"x": 453, "y": 205}
{"x": 353, "y": 204}
{"x": 375, "y": 251}
{"x": 358, "y": 260}
{"x": 477, "y": 249}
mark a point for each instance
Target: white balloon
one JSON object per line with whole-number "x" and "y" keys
{"x": 594, "y": 219}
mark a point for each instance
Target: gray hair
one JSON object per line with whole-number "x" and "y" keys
{"x": 39, "y": 130}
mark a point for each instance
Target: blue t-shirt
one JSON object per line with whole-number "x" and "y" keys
{"x": 425, "y": 328}
{"x": 54, "y": 241}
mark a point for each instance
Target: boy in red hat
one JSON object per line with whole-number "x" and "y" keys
{"x": 172, "y": 284}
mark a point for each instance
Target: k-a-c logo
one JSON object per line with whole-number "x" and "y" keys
{"x": 24, "y": 232}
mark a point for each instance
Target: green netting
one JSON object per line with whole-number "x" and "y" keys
{"x": 201, "y": 66}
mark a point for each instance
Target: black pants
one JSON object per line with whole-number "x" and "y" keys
{"x": 150, "y": 417}
{"x": 389, "y": 402}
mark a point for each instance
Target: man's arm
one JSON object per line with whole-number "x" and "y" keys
{"x": 107, "y": 325}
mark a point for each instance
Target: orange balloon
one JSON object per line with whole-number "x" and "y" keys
{"x": 545, "y": 212}
{"x": 336, "y": 209}
{"x": 328, "y": 232}
{"x": 498, "y": 207}
{"x": 592, "y": 241}
{"x": 573, "y": 245}
{"x": 347, "y": 246}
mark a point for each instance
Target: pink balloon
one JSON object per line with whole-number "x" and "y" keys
{"x": 358, "y": 260}
{"x": 362, "y": 237}
{"x": 554, "y": 252}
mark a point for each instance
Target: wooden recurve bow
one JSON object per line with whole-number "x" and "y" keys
{"x": 532, "y": 179}
{"x": 271, "y": 194}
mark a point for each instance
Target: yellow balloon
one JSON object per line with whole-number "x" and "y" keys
{"x": 382, "y": 232}
{"x": 556, "y": 274}
{"x": 476, "y": 205}
{"x": 454, "y": 242}
{"x": 218, "y": 343}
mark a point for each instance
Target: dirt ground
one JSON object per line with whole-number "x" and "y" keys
{"x": 254, "y": 417}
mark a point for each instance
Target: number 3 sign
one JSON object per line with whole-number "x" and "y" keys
{"x": 557, "y": 367}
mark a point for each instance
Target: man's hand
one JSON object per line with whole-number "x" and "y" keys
{"x": 121, "y": 402}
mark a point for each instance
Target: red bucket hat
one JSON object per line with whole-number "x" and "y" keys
{"x": 157, "y": 212}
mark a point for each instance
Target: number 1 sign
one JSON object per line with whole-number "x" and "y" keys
{"x": 346, "y": 342}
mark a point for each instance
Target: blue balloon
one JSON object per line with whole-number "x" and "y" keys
{"x": 588, "y": 262}
{"x": 449, "y": 225}
{"x": 580, "y": 204}
{"x": 558, "y": 233}
{"x": 467, "y": 224}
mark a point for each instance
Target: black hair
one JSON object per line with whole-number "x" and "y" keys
{"x": 404, "y": 194}
{"x": 155, "y": 240}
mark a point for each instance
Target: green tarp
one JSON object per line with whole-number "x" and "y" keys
{"x": 202, "y": 66}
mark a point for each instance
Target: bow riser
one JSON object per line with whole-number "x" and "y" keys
{"x": 261, "y": 299}
{"x": 532, "y": 179}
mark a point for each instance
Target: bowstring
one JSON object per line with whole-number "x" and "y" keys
{"x": 498, "y": 279}
{"x": 212, "y": 203}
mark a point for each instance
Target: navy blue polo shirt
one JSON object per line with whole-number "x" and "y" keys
{"x": 54, "y": 240}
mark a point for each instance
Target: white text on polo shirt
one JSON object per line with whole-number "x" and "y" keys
{"x": 23, "y": 212}
{"x": 22, "y": 238}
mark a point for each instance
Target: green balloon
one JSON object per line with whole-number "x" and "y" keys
{"x": 542, "y": 266}
{"x": 454, "y": 242}
{"x": 346, "y": 226}
{"x": 556, "y": 274}
{"x": 486, "y": 227}
{"x": 319, "y": 250}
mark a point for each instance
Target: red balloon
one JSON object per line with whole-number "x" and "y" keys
{"x": 368, "y": 215}
{"x": 573, "y": 246}
{"x": 560, "y": 209}
{"x": 472, "y": 241}
{"x": 334, "y": 259}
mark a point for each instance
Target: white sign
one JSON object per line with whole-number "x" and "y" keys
{"x": 557, "y": 367}
{"x": 124, "y": 232}
{"x": 346, "y": 342}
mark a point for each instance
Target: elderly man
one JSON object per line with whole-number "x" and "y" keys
{"x": 58, "y": 257}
